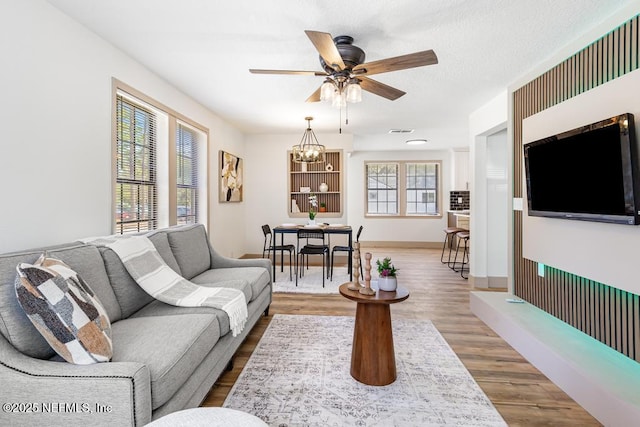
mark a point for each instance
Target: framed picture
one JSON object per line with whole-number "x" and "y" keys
{"x": 230, "y": 173}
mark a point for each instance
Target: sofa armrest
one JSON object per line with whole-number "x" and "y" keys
{"x": 43, "y": 392}
{"x": 220, "y": 261}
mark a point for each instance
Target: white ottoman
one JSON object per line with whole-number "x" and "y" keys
{"x": 207, "y": 417}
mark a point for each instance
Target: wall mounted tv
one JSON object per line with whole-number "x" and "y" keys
{"x": 590, "y": 173}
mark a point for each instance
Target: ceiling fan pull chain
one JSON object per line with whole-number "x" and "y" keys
{"x": 346, "y": 114}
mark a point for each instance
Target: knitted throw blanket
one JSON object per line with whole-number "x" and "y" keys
{"x": 148, "y": 269}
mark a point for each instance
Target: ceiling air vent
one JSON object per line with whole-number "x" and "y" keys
{"x": 400, "y": 130}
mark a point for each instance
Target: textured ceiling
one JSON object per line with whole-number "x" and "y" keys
{"x": 205, "y": 48}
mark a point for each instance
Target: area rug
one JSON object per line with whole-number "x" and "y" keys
{"x": 298, "y": 375}
{"x": 311, "y": 282}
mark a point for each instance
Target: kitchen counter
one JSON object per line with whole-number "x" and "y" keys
{"x": 458, "y": 219}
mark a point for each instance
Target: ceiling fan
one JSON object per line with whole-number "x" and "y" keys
{"x": 346, "y": 73}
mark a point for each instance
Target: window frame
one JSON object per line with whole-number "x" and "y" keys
{"x": 402, "y": 187}
{"x": 166, "y": 159}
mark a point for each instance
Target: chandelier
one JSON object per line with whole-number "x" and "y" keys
{"x": 309, "y": 150}
{"x": 340, "y": 89}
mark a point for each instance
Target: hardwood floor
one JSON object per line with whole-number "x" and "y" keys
{"x": 522, "y": 395}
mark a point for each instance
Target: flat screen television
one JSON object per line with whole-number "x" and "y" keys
{"x": 589, "y": 173}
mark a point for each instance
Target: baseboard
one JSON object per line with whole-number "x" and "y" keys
{"x": 490, "y": 282}
{"x": 396, "y": 244}
{"x": 603, "y": 381}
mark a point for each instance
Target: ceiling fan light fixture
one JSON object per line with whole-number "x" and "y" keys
{"x": 354, "y": 91}
{"x": 327, "y": 90}
{"x": 309, "y": 150}
{"x": 339, "y": 99}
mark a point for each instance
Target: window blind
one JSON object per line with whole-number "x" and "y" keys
{"x": 187, "y": 174}
{"x": 136, "y": 188}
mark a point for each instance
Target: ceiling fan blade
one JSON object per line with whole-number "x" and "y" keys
{"x": 315, "y": 96}
{"x": 380, "y": 89}
{"x": 412, "y": 60}
{"x": 326, "y": 48}
{"x": 294, "y": 72}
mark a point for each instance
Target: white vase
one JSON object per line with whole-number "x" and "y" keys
{"x": 311, "y": 221}
{"x": 387, "y": 283}
{"x": 323, "y": 187}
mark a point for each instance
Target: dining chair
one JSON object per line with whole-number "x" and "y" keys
{"x": 311, "y": 249}
{"x": 349, "y": 249}
{"x": 266, "y": 249}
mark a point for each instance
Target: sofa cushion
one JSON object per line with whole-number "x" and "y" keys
{"x": 190, "y": 246}
{"x": 257, "y": 278}
{"x": 172, "y": 347}
{"x": 64, "y": 309}
{"x": 129, "y": 294}
{"x": 159, "y": 308}
{"x": 14, "y": 323}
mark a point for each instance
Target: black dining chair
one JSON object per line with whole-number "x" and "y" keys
{"x": 349, "y": 249}
{"x": 266, "y": 249}
{"x": 307, "y": 248}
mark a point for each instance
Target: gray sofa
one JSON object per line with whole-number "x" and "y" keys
{"x": 165, "y": 358}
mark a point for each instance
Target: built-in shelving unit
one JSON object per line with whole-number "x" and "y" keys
{"x": 311, "y": 176}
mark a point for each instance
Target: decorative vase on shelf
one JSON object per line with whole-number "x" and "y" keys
{"x": 323, "y": 187}
{"x": 387, "y": 283}
{"x": 311, "y": 222}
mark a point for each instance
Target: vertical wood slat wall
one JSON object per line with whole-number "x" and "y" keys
{"x": 609, "y": 315}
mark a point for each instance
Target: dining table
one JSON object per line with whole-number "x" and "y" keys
{"x": 329, "y": 229}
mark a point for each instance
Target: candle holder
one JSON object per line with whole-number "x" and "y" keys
{"x": 367, "y": 276}
{"x": 355, "y": 285}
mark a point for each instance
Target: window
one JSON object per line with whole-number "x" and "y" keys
{"x": 187, "y": 175}
{"x": 422, "y": 186}
{"x": 159, "y": 165}
{"x": 403, "y": 189}
{"x": 382, "y": 188}
{"x": 136, "y": 192}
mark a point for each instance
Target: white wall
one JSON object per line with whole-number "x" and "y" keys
{"x": 485, "y": 121}
{"x": 55, "y": 151}
{"x": 606, "y": 253}
{"x": 267, "y": 201}
{"x": 396, "y": 229}
{"x": 498, "y": 217}
{"x": 266, "y": 196}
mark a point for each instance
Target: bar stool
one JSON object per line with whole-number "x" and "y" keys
{"x": 450, "y": 233}
{"x": 462, "y": 236}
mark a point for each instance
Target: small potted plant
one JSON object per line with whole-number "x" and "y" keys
{"x": 387, "y": 275}
{"x": 323, "y": 207}
{"x": 313, "y": 201}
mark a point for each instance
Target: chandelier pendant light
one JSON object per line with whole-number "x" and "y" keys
{"x": 309, "y": 150}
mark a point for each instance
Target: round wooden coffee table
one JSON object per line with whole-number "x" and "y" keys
{"x": 373, "y": 360}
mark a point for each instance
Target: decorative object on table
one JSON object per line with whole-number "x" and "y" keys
{"x": 329, "y": 167}
{"x": 305, "y": 189}
{"x": 323, "y": 207}
{"x": 387, "y": 275}
{"x": 367, "y": 276}
{"x": 309, "y": 150}
{"x": 355, "y": 284}
{"x": 313, "y": 201}
{"x": 294, "y": 206}
{"x": 323, "y": 187}
{"x": 231, "y": 168}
